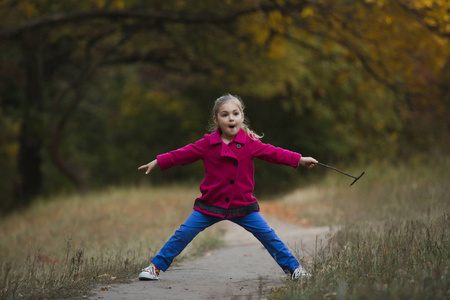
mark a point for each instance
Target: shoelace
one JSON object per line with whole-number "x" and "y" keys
{"x": 151, "y": 269}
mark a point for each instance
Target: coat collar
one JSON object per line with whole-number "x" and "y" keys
{"x": 240, "y": 137}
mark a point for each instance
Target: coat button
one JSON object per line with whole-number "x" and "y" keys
{"x": 231, "y": 181}
{"x": 235, "y": 163}
{"x": 227, "y": 199}
{"x": 238, "y": 146}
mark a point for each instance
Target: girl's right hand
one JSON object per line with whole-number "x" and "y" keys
{"x": 149, "y": 166}
{"x": 308, "y": 162}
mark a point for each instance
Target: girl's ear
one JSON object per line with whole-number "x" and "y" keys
{"x": 215, "y": 120}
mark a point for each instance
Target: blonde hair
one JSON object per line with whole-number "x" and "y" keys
{"x": 215, "y": 111}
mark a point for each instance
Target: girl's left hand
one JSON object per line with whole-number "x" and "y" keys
{"x": 308, "y": 162}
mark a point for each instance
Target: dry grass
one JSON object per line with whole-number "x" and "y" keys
{"x": 393, "y": 240}
{"x": 60, "y": 247}
{"x": 385, "y": 192}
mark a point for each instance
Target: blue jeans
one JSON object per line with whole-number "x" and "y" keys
{"x": 252, "y": 222}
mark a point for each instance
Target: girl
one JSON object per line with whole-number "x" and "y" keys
{"x": 227, "y": 187}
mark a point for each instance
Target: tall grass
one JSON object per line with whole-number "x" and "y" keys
{"x": 61, "y": 247}
{"x": 392, "y": 240}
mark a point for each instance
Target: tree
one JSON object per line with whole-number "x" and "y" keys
{"x": 63, "y": 46}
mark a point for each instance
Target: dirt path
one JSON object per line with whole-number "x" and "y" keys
{"x": 241, "y": 269}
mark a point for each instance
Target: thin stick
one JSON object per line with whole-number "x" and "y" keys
{"x": 354, "y": 177}
{"x": 327, "y": 166}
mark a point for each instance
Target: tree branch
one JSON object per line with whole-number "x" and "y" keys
{"x": 57, "y": 130}
{"x": 58, "y": 19}
{"x": 420, "y": 18}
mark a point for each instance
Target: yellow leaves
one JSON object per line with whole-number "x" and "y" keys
{"x": 393, "y": 137}
{"x": 119, "y": 4}
{"x": 307, "y": 12}
{"x": 277, "y": 21}
{"x": 261, "y": 36}
{"x": 99, "y": 3}
{"x": 420, "y": 4}
{"x": 263, "y": 30}
{"x": 427, "y": 3}
{"x": 388, "y": 20}
{"x": 10, "y": 150}
{"x": 277, "y": 48}
{"x": 431, "y": 21}
{"x": 380, "y": 3}
{"x": 255, "y": 26}
{"x": 28, "y": 8}
{"x": 259, "y": 26}
{"x": 434, "y": 13}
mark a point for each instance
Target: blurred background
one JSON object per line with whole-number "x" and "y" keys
{"x": 92, "y": 89}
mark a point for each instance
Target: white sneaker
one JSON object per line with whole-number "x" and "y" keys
{"x": 300, "y": 273}
{"x": 149, "y": 273}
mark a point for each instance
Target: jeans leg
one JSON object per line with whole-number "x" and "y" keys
{"x": 194, "y": 224}
{"x": 257, "y": 225}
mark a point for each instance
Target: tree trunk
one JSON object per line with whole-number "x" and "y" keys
{"x": 29, "y": 181}
{"x": 71, "y": 172}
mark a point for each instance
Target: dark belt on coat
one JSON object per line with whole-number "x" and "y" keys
{"x": 227, "y": 212}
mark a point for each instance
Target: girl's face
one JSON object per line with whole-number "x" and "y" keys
{"x": 229, "y": 118}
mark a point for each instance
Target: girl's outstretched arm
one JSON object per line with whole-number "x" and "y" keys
{"x": 308, "y": 162}
{"x": 150, "y": 166}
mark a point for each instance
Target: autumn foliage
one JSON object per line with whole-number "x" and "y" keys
{"x": 91, "y": 89}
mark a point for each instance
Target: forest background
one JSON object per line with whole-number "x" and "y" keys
{"x": 90, "y": 90}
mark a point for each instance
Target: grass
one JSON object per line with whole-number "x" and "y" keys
{"x": 62, "y": 247}
{"x": 392, "y": 238}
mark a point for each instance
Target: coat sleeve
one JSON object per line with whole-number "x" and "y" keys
{"x": 183, "y": 156}
{"x": 275, "y": 155}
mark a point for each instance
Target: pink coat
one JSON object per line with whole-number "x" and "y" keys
{"x": 227, "y": 188}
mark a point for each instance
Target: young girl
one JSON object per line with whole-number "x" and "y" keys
{"x": 227, "y": 188}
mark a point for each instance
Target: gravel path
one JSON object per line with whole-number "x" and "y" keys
{"x": 241, "y": 269}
